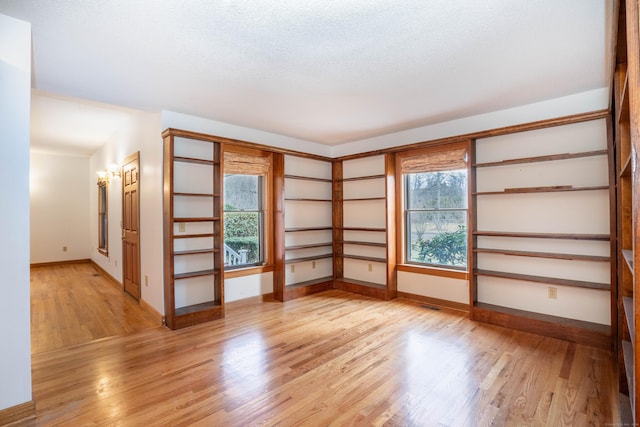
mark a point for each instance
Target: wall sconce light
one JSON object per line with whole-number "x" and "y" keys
{"x": 103, "y": 177}
{"x": 115, "y": 171}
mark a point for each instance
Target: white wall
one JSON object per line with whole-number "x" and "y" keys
{"x": 143, "y": 133}
{"x": 15, "y": 87}
{"x": 171, "y": 119}
{"x": 59, "y": 207}
{"x": 584, "y": 102}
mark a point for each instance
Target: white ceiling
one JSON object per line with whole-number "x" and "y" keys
{"x": 328, "y": 71}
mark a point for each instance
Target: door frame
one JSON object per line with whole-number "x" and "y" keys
{"x": 132, "y": 158}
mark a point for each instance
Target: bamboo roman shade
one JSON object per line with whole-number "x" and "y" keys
{"x": 434, "y": 160}
{"x": 246, "y": 163}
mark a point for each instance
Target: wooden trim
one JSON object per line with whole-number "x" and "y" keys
{"x": 55, "y": 263}
{"x": 278, "y": 241}
{"x": 309, "y": 287}
{"x": 249, "y": 271}
{"x": 433, "y": 271}
{"x": 391, "y": 215}
{"x": 373, "y": 290}
{"x": 108, "y": 276}
{"x": 238, "y": 142}
{"x": 542, "y": 324}
{"x": 453, "y": 305}
{"x": 472, "y": 226}
{"x": 337, "y": 193}
{"x": 18, "y": 413}
{"x": 541, "y": 124}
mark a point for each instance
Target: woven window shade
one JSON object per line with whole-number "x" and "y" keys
{"x": 434, "y": 161}
{"x": 246, "y": 164}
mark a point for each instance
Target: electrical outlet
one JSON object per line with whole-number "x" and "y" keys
{"x": 553, "y": 292}
{"x": 181, "y": 227}
{"x": 293, "y": 268}
{"x": 313, "y": 264}
{"x": 370, "y": 267}
{"x": 64, "y": 249}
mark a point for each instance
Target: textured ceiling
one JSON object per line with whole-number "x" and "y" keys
{"x": 328, "y": 71}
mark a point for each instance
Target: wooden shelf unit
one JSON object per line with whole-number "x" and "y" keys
{"x": 301, "y": 267}
{"x": 364, "y": 193}
{"x": 493, "y": 249}
{"x": 626, "y": 131}
{"x": 192, "y": 229}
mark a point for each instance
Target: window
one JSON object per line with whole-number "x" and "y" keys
{"x": 245, "y": 208}
{"x": 102, "y": 217}
{"x": 243, "y": 220}
{"x": 435, "y": 207}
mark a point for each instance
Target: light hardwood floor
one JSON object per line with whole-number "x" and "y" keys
{"x": 74, "y": 304}
{"x": 328, "y": 359}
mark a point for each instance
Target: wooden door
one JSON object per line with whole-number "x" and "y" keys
{"x": 130, "y": 225}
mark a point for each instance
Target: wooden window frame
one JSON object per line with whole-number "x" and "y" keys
{"x": 103, "y": 217}
{"x": 401, "y": 240}
{"x": 263, "y": 158}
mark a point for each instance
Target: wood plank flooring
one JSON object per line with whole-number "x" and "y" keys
{"x": 74, "y": 304}
{"x": 329, "y": 359}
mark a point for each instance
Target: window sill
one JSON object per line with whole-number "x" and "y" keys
{"x": 103, "y": 252}
{"x": 433, "y": 271}
{"x": 249, "y": 271}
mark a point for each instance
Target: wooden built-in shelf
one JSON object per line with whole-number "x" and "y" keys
{"x": 308, "y": 178}
{"x": 362, "y": 178}
{"x": 551, "y": 157}
{"x": 626, "y": 168}
{"x": 551, "y": 189}
{"x": 375, "y": 229}
{"x": 561, "y": 236}
{"x": 296, "y": 229}
{"x": 195, "y": 160}
{"x": 362, "y": 258}
{"x": 546, "y": 280}
{"x": 193, "y": 236}
{"x": 307, "y": 258}
{"x": 196, "y": 308}
{"x": 361, "y": 243}
{"x": 309, "y": 246}
{"x": 196, "y": 194}
{"x": 196, "y": 251}
{"x": 627, "y": 304}
{"x": 573, "y": 330}
{"x": 191, "y": 274}
{"x": 301, "y": 199}
{"x": 550, "y": 255}
{"x": 627, "y": 254}
{"x": 361, "y": 199}
{"x": 627, "y": 355}
{"x": 197, "y": 219}
{"x": 622, "y": 114}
